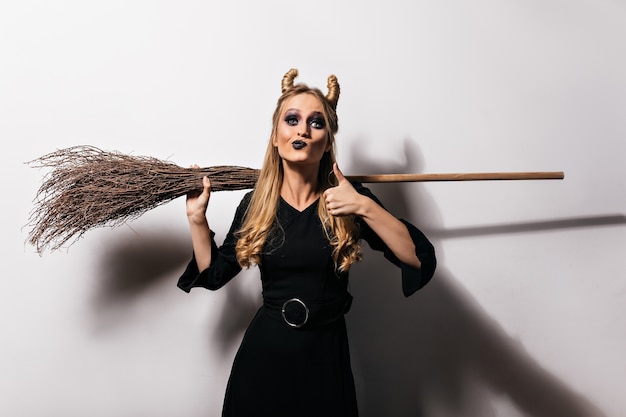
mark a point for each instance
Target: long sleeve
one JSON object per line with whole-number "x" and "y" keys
{"x": 224, "y": 265}
{"x": 413, "y": 279}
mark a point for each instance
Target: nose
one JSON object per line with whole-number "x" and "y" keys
{"x": 304, "y": 132}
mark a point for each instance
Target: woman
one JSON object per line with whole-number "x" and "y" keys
{"x": 301, "y": 225}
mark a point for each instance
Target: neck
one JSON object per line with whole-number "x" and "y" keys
{"x": 300, "y": 186}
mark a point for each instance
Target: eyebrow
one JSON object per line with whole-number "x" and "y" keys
{"x": 315, "y": 113}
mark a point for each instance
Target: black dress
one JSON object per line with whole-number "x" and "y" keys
{"x": 294, "y": 358}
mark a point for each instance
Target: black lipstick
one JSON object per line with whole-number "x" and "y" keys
{"x": 298, "y": 144}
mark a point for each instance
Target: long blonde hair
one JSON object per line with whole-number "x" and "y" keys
{"x": 260, "y": 216}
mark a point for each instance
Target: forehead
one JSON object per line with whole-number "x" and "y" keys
{"x": 304, "y": 102}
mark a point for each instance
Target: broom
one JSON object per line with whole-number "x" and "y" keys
{"x": 89, "y": 188}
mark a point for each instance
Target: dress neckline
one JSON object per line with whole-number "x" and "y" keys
{"x": 292, "y": 208}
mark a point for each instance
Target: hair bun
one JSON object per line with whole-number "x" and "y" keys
{"x": 288, "y": 78}
{"x": 333, "y": 91}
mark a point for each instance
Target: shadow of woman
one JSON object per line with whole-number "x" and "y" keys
{"x": 438, "y": 352}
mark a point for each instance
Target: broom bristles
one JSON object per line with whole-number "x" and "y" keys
{"x": 89, "y": 188}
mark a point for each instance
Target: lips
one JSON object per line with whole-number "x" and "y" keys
{"x": 298, "y": 144}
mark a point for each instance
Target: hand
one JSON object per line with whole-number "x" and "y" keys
{"x": 343, "y": 199}
{"x": 198, "y": 202}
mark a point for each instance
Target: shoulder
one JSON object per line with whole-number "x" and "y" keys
{"x": 360, "y": 188}
{"x": 246, "y": 198}
{"x": 244, "y": 203}
{"x": 363, "y": 190}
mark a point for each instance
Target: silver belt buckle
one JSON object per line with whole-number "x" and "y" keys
{"x": 306, "y": 312}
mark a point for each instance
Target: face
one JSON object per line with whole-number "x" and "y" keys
{"x": 302, "y": 134}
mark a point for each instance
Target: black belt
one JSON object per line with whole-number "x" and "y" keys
{"x": 298, "y": 312}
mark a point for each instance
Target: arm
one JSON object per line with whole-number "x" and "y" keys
{"x": 210, "y": 267}
{"x": 196, "y": 205}
{"x": 391, "y": 231}
{"x": 344, "y": 200}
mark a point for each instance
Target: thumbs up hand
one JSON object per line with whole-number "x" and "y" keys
{"x": 343, "y": 199}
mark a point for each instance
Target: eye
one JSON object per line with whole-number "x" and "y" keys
{"x": 317, "y": 123}
{"x": 291, "y": 119}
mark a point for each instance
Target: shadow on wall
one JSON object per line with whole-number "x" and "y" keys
{"x": 130, "y": 268}
{"x": 438, "y": 352}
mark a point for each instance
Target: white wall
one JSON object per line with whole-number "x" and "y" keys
{"x": 526, "y": 314}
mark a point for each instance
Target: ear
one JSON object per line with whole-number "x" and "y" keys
{"x": 329, "y": 145}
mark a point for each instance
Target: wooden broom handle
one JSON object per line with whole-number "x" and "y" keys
{"x": 474, "y": 176}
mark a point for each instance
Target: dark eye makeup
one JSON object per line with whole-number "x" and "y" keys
{"x": 316, "y": 121}
{"x": 291, "y": 119}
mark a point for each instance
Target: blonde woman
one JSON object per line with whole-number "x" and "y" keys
{"x": 302, "y": 226}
